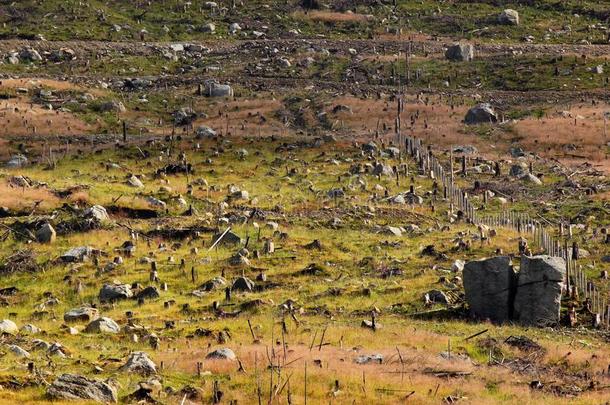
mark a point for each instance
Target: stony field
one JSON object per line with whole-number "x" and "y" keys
{"x": 304, "y": 202}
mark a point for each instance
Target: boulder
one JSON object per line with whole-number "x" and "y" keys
{"x": 213, "y": 89}
{"x": 97, "y": 212}
{"x": 28, "y": 54}
{"x": 212, "y": 284}
{"x": 133, "y": 181}
{"x": 112, "y": 106}
{"x": 114, "y": 292}
{"x": 184, "y": 116}
{"x": 81, "y": 314}
{"x": 518, "y": 170}
{"x": 7, "y": 326}
{"x": 76, "y": 387}
{"x": 18, "y": 351}
{"x": 509, "y": 17}
{"x": 234, "y": 28}
{"x": 29, "y": 329}
{"x": 139, "y": 363}
{"x": 230, "y": 238}
{"x": 539, "y": 286}
{"x": 46, "y": 234}
{"x": 481, "y": 114}
{"x": 149, "y": 292}
{"x": 209, "y": 28}
{"x": 460, "y": 52}
{"x": 221, "y": 354}
{"x": 242, "y": 284}
{"x": 205, "y": 132}
{"x": 382, "y": 170}
{"x": 103, "y": 325}
{"x": 488, "y": 285}
{"x": 530, "y": 178}
{"x": 17, "y": 161}
{"x": 77, "y": 254}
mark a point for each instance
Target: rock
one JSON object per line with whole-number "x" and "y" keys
{"x": 234, "y": 28}
{"x": 230, "y": 238}
{"x": 518, "y": 170}
{"x": 392, "y": 230}
{"x": 205, "y": 132}
{"x": 149, "y": 292}
{"x": 213, "y": 89}
{"x": 457, "y": 266}
{"x": 530, "y": 178}
{"x": 17, "y": 161}
{"x": 242, "y": 284}
{"x": 184, "y": 116}
{"x": 242, "y": 195}
{"x": 382, "y": 170}
{"x": 29, "y": 329}
{"x": 97, "y": 212}
{"x": 114, "y": 292}
{"x": 370, "y": 147}
{"x": 77, "y": 254}
{"x": 133, "y": 181}
{"x": 488, "y": 284}
{"x": 212, "y": 284}
{"x": 367, "y": 359}
{"x": 18, "y": 351}
{"x": 516, "y": 151}
{"x": 481, "y": 114}
{"x": 81, "y": 314}
{"x": 29, "y": 54}
{"x": 7, "y": 326}
{"x": 221, "y": 354}
{"x": 139, "y": 363}
{"x": 103, "y": 325}
{"x": 460, "y": 52}
{"x": 336, "y": 193}
{"x": 465, "y": 149}
{"x": 239, "y": 260}
{"x": 12, "y": 59}
{"x": 112, "y": 105}
{"x": 509, "y": 17}
{"x": 539, "y": 285}
{"x": 210, "y": 28}
{"x": 62, "y": 55}
{"x": 155, "y": 202}
{"x": 436, "y": 296}
{"x": 46, "y": 234}
{"x": 76, "y": 387}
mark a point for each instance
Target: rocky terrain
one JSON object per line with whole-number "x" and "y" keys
{"x": 304, "y": 202}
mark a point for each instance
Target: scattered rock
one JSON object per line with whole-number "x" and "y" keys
{"x": 81, "y": 314}
{"x": 242, "y": 284}
{"x": 46, "y": 234}
{"x": 139, "y": 363}
{"x": 76, "y": 387}
{"x": 114, "y": 292}
{"x": 460, "y": 52}
{"x": 103, "y": 325}
{"x": 481, "y": 114}
{"x": 509, "y": 17}
{"x": 77, "y": 254}
{"x": 221, "y": 354}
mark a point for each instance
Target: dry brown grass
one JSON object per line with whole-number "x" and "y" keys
{"x": 24, "y": 198}
{"x": 330, "y": 16}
